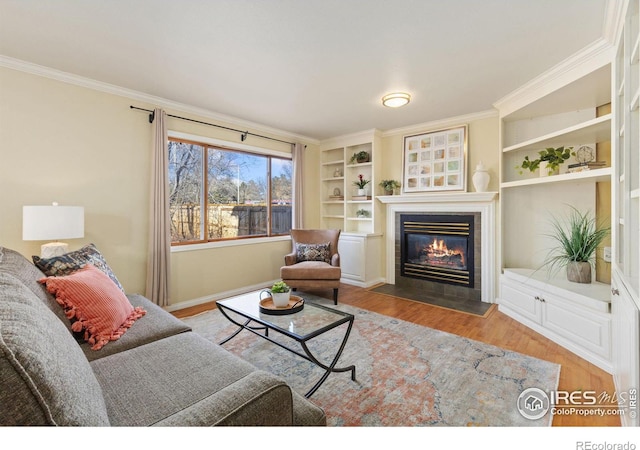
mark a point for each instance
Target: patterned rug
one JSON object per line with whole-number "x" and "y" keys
{"x": 407, "y": 374}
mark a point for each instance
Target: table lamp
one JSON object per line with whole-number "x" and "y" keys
{"x": 43, "y": 223}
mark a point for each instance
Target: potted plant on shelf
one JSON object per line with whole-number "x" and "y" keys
{"x": 578, "y": 241}
{"x": 362, "y": 214}
{"x": 280, "y": 293}
{"x": 361, "y": 183}
{"x": 548, "y": 162}
{"x": 389, "y": 186}
{"x": 359, "y": 157}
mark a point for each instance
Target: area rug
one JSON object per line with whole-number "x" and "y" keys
{"x": 406, "y": 374}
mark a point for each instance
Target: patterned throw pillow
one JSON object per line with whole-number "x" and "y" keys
{"x": 72, "y": 261}
{"x": 313, "y": 252}
{"x": 95, "y": 305}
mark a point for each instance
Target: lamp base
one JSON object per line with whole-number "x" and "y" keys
{"x": 53, "y": 249}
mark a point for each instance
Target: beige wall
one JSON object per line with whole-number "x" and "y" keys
{"x": 80, "y": 146}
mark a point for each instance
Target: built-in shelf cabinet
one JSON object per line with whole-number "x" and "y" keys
{"x": 569, "y": 106}
{"x": 342, "y": 208}
{"x": 625, "y": 284}
{"x": 577, "y": 317}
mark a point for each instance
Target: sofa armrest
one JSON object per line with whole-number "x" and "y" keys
{"x": 290, "y": 259}
{"x": 258, "y": 399}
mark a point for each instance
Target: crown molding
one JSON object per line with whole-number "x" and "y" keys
{"x": 592, "y": 57}
{"x": 442, "y": 123}
{"x": 66, "y": 77}
{"x": 614, "y": 20}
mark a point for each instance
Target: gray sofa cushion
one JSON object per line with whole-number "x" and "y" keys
{"x": 46, "y": 380}
{"x": 155, "y": 324}
{"x": 15, "y": 264}
{"x": 188, "y": 375}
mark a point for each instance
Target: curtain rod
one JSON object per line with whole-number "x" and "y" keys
{"x": 243, "y": 134}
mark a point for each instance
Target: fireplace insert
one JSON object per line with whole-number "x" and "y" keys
{"x": 438, "y": 248}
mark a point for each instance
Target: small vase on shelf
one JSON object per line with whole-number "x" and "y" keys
{"x": 481, "y": 178}
{"x": 361, "y": 192}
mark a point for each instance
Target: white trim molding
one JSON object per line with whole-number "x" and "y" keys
{"x": 482, "y": 202}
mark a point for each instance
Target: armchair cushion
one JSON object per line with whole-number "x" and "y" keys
{"x": 310, "y": 270}
{"x": 313, "y": 252}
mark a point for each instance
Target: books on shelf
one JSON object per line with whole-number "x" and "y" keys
{"x": 581, "y": 167}
{"x": 336, "y": 197}
{"x": 361, "y": 197}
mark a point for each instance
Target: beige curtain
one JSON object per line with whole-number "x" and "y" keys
{"x": 298, "y": 150}
{"x": 159, "y": 255}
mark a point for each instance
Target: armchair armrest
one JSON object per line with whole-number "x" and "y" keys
{"x": 335, "y": 260}
{"x": 290, "y": 259}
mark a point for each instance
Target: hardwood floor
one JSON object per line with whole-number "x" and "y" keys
{"x": 496, "y": 328}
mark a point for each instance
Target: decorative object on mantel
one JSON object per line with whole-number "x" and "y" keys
{"x": 359, "y": 157}
{"x": 361, "y": 183}
{"x": 435, "y": 161}
{"x": 481, "y": 178}
{"x": 578, "y": 243}
{"x": 548, "y": 162}
{"x": 389, "y": 186}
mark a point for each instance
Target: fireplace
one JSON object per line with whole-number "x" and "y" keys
{"x": 452, "y": 207}
{"x": 438, "y": 248}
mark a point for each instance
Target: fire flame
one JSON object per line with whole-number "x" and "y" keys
{"x": 438, "y": 250}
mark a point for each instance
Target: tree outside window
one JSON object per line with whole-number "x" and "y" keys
{"x": 247, "y": 194}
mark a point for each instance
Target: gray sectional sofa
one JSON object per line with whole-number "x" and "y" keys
{"x": 159, "y": 373}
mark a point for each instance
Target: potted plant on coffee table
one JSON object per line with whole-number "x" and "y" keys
{"x": 577, "y": 240}
{"x": 280, "y": 293}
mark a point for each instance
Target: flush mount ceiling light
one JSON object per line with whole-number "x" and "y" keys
{"x": 396, "y": 99}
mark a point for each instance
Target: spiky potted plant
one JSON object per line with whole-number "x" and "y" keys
{"x": 578, "y": 239}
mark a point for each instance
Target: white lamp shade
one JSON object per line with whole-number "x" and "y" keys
{"x": 43, "y": 223}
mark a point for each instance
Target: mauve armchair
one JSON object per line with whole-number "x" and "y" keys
{"x": 314, "y": 262}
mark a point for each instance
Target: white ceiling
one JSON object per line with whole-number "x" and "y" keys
{"x": 316, "y": 68}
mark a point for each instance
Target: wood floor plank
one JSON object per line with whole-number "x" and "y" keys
{"x": 495, "y": 328}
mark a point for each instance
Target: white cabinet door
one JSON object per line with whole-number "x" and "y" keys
{"x": 626, "y": 356}
{"x": 521, "y": 300}
{"x": 352, "y": 257}
{"x": 584, "y": 329}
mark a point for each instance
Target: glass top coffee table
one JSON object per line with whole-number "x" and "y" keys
{"x": 310, "y": 322}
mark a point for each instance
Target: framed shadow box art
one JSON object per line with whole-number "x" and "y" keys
{"x": 435, "y": 161}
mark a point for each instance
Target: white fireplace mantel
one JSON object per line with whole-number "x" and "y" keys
{"x": 454, "y": 202}
{"x": 444, "y": 197}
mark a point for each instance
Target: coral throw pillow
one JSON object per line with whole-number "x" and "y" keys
{"x": 94, "y": 304}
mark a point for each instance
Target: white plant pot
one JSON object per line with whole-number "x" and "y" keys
{"x": 544, "y": 171}
{"x": 361, "y": 192}
{"x": 281, "y": 299}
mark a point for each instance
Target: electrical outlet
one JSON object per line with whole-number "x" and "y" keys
{"x": 607, "y": 254}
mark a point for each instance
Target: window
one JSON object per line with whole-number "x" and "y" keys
{"x": 247, "y": 194}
